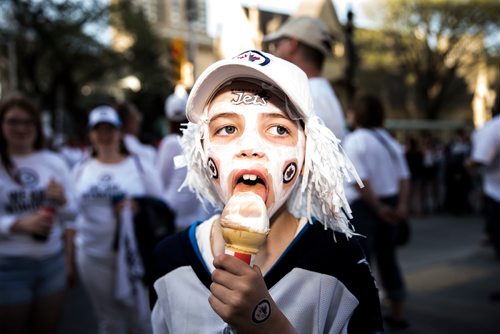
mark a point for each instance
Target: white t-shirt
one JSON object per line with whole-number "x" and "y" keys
{"x": 186, "y": 205}
{"x": 486, "y": 150}
{"x": 134, "y": 146}
{"x": 374, "y": 162}
{"x": 34, "y": 172}
{"x": 96, "y": 184}
{"x": 327, "y": 106}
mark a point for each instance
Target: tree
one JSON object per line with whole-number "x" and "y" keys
{"x": 53, "y": 49}
{"x": 67, "y": 61}
{"x": 436, "y": 41}
{"x": 56, "y": 53}
{"x": 377, "y": 72}
{"x": 146, "y": 58}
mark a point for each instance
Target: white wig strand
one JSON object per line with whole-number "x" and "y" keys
{"x": 197, "y": 177}
{"x": 325, "y": 168}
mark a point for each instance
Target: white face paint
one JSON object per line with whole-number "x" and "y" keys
{"x": 252, "y": 145}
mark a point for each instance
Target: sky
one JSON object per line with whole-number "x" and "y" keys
{"x": 288, "y": 6}
{"x": 362, "y": 16}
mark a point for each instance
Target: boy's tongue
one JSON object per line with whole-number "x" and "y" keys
{"x": 258, "y": 189}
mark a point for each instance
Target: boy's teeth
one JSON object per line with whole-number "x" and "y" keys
{"x": 249, "y": 177}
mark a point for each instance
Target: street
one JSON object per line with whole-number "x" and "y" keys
{"x": 448, "y": 273}
{"x": 450, "y": 276}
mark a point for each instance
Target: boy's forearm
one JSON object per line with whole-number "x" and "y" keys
{"x": 277, "y": 323}
{"x": 404, "y": 196}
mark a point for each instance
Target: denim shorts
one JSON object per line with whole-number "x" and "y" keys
{"x": 23, "y": 279}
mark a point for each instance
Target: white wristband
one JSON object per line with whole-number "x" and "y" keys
{"x": 6, "y": 223}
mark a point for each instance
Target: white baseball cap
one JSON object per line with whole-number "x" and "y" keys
{"x": 175, "y": 105}
{"x": 253, "y": 64}
{"x": 308, "y": 30}
{"x": 104, "y": 114}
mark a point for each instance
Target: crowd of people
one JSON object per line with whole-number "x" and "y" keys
{"x": 61, "y": 218}
{"x": 259, "y": 122}
{"x": 440, "y": 178}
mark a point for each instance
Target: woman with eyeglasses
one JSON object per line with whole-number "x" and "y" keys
{"x": 34, "y": 201}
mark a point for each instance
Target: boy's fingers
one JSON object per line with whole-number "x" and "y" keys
{"x": 219, "y": 307}
{"x": 222, "y": 293}
{"x": 231, "y": 264}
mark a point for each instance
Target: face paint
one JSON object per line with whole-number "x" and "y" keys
{"x": 290, "y": 171}
{"x": 253, "y": 146}
{"x": 246, "y": 98}
{"x": 214, "y": 174}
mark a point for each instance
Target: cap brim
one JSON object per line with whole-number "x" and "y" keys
{"x": 273, "y": 36}
{"x": 93, "y": 124}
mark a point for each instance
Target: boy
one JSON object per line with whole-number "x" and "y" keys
{"x": 251, "y": 128}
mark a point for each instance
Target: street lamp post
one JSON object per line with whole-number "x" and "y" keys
{"x": 192, "y": 16}
{"x": 352, "y": 58}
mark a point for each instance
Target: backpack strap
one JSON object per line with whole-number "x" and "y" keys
{"x": 386, "y": 144}
{"x": 138, "y": 164}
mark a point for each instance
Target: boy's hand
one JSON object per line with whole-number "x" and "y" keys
{"x": 240, "y": 297}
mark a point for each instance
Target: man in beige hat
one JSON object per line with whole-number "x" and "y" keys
{"x": 306, "y": 42}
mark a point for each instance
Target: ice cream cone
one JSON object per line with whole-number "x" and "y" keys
{"x": 245, "y": 226}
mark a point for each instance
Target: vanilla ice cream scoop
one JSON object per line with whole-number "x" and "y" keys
{"x": 247, "y": 210}
{"x": 245, "y": 225}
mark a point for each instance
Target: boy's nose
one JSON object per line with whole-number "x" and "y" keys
{"x": 251, "y": 153}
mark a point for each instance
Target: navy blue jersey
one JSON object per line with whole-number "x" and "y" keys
{"x": 322, "y": 283}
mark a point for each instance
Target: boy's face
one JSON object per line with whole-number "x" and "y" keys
{"x": 252, "y": 145}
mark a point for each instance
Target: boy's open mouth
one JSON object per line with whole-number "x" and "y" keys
{"x": 251, "y": 180}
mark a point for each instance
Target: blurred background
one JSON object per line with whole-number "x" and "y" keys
{"x": 435, "y": 63}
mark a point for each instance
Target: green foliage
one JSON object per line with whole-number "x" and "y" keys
{"x": 146, "y": 53}
{"x": 56, "y": 53}
{"x": 145, "y": 60}
{"x": 51, "y": 45}
{"x": 63, "y": 49}
{"x": 373, "y": 46}
{"x": 434, "y": 44}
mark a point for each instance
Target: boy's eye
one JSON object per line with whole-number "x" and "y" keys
{"x": 227, "y": 130}
{"x": 279, "y": 130}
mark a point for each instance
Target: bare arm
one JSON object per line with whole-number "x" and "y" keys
{"x": 383, "y": 211}
{"x": 403, "y": 198}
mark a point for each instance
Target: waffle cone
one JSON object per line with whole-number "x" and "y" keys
{"x": 243, "y": 240}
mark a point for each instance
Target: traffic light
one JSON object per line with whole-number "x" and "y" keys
{"x": 177, "y": 56}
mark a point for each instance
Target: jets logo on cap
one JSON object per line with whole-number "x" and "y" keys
{"x": 255, "y": 57}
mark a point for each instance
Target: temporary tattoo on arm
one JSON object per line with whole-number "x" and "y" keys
{"x": 261, "y": 312}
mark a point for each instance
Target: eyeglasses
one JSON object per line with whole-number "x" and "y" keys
{"x": 13, "y": 122}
